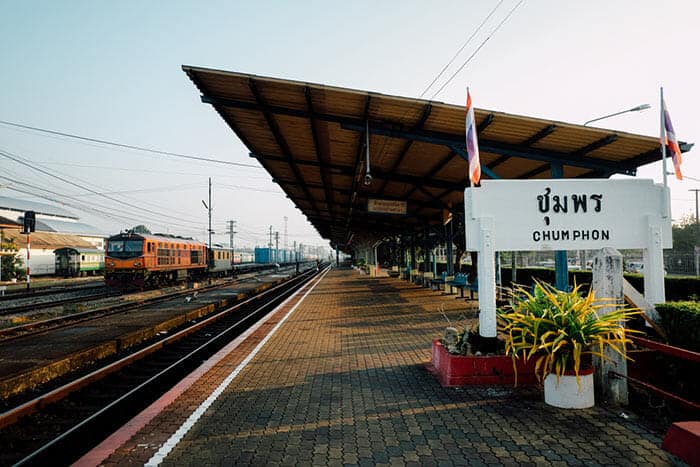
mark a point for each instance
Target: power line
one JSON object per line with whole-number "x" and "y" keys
{"x": 461, "y": 48}
{"x": 170, "y": 172}
{"x": 126, "y": 146}
{"x": 510, "y": 13}
{"x": 20, "y": 160}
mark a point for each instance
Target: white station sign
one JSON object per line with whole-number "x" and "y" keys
{"x": 580, "y": 214}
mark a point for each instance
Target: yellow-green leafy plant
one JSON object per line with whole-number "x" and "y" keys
{"x": 560, "y": 330}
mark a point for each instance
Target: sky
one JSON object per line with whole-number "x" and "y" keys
{"x": 112, "y": 71}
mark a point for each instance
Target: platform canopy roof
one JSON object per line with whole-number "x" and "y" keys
{"x": 312, "y": 139}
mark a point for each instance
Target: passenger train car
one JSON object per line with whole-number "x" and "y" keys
{"x": 139, "y": 260}
{"x": 74, "y": 262}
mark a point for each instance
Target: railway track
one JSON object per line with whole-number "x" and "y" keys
{"x": 30, "y": 303}
{"x": 41, "y": 291}
{"x": 102, "y": 292}
{"x": 57, "y": 427}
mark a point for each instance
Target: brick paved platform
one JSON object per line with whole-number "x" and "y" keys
{"x": 343, "y": 381}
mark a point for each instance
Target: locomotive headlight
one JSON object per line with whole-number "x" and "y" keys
{"x": 110, "y": 264}
{"x": 137, "y": 264}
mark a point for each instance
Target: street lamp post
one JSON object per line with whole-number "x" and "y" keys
{"x": 633, "y": 109}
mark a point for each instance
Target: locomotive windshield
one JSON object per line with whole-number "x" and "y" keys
{"x": 125, "y": 248}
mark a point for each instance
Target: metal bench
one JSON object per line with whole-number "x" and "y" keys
{"x": 460, "y": 281}
{"x": 442, "y": 280}
{"x": 473, "y": 287}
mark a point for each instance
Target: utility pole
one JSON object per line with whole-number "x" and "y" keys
{"x": 231, "y": 232}
{"x": 696, "y": 205}
{"x": 277, "y": 247}
{"x": 269, "y": 247}
{"x": 286, "y": 244}
{"x": 208, "y": 206}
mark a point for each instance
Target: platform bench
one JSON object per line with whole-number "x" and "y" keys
{"x": 460, "y": 281}
{"x": 442, "y": 280}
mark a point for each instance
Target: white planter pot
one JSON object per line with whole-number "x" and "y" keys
{"x": 567, "y": 394}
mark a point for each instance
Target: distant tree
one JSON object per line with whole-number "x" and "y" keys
{"x": 686, "y": 235}
{"x": 141, "y": 229}
{"x": 11, "y": 263}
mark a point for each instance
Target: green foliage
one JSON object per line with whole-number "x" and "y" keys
{"x": 686, "y": 235}
{"x": 12, "y": 267}
{"x": 141, "y": 229}
{"x": 559, "y": 329}
{"x": 681, "y": 321}
{"x": 678, "y": 288}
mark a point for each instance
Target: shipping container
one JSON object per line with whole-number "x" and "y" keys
{"x": 264, "y": 255}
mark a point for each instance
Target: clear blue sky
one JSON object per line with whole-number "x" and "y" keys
{"x": 111, "y": 70}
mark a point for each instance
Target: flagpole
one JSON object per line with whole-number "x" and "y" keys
{"x": 663, "y": 137}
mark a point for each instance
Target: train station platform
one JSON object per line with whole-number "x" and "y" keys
{"x": 337, "y": 377}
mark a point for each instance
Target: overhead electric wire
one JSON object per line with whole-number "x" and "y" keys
{"x": 483, "y": 22}
{"x": 461, "y": 48}
{"x": 112, "y": 213}
{"x": 510, "y": 13}
{"x": 20, "y": 160}
{"x": 169, "y": 172}
{"x": 126, "y": 146}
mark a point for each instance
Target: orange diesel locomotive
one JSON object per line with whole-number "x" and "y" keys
{"x": 138, "y": 260}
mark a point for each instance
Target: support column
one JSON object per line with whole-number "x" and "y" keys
{"x": 654, "y": 287}
{"x": 607, "y": 282}
{"x": 426, "y": 249}
{"x": 560, "y": 261}
{"x": 450, "y": 262}
{"x": 487, "y": 280}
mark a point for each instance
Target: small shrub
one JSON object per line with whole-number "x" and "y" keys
{"x": 681, "y": 321}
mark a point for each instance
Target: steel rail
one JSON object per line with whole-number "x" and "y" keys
{"x": 41, "y": 454}
{"x": 23, "y": 330}
{"x": 11, "y": 416}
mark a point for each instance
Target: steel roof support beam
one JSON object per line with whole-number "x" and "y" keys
{"x": 426, "y": 113}
{"x": 541, "y": 169}
{"x": 284, "y": 148}
{"x": 446, "y": 139}
{"x": 497, "y": 148}
{"x": 602, "y": 142}
{"x": 323, "y": 168}
{"x": 463, "y": 153}
{"x": 376, "y": 173}
{"x": 436, "y": 168}
{"x": 484, "y": 123}
{"x": 358, "y": 161}
{"x": 543, "y": 133}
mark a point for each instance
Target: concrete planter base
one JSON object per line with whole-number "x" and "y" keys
{"x": 567, "y": 394}
{"x": 459, "y": 370}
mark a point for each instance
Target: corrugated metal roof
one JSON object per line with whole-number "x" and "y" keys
{"x": 22, "y": 205}
{"x": 77, "y": 228}
{"x": 9, "y": 223}
{"x": 311, "y": 139}
{"x": 47, "y": 240}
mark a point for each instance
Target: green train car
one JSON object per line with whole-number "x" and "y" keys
{"x": 74, "y": 262}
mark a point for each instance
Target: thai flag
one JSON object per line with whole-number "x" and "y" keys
{"x": 668, "y": 138}
{"x": 472, "y": 144}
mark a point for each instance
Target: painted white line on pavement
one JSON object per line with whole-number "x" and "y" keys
{"x": 176, "y": 437}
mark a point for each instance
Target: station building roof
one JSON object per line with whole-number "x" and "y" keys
{"x": 311, "y": 138}
{"x": 47, "y": 240}
{"x": 22, "y": 205}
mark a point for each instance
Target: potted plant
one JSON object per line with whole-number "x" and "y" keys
{"x": 461, "y": 357}
{"x": 560, "y": 331}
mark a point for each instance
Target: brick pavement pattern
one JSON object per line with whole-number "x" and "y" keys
{"x": 343, "y": 382}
